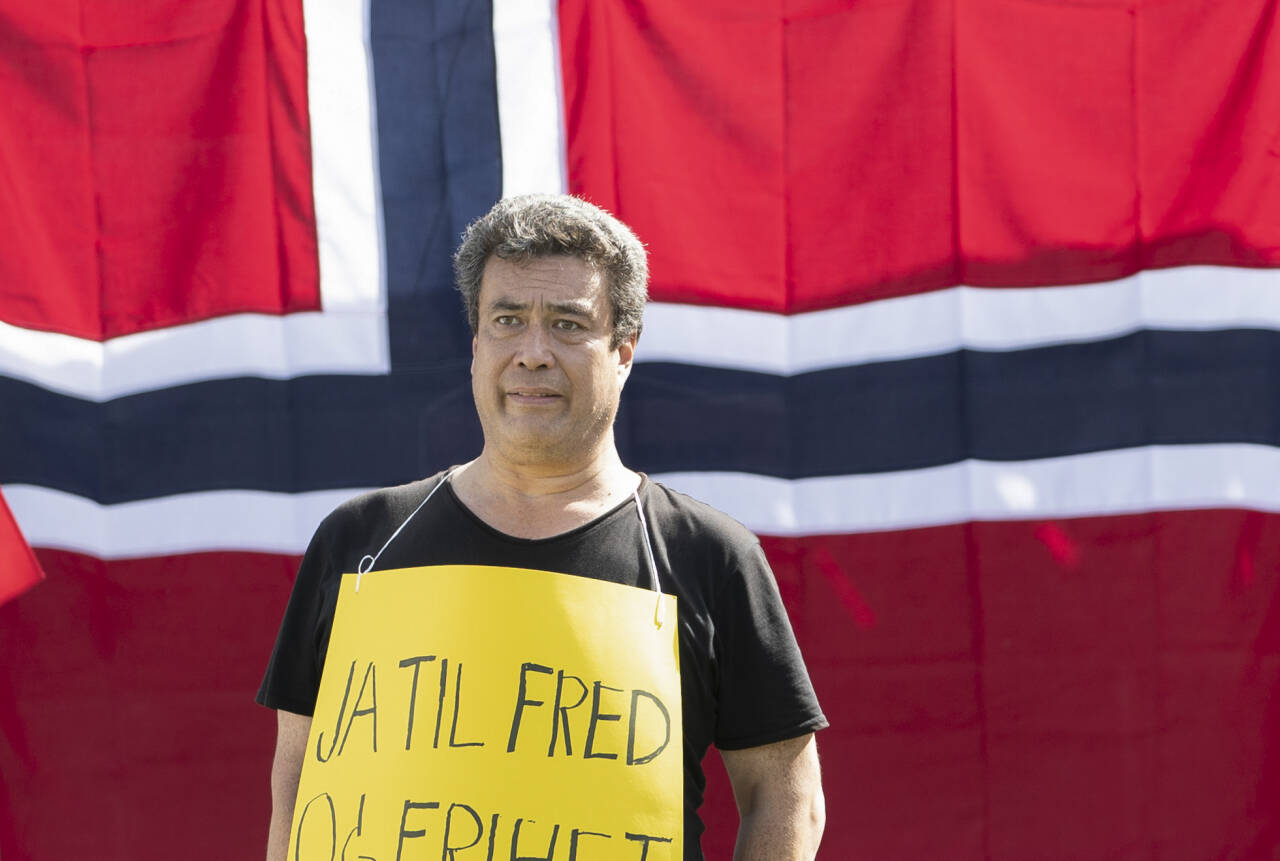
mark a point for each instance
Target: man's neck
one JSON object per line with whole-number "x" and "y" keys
{"x": 540, "y": 500}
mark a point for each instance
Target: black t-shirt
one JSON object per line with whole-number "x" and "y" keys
{"x": 743, "y": 682}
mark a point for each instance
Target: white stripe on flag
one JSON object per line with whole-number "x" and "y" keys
{"x": 344, "y": 155}
{"x": 526, "y": 47}
{"x": 1195, "y": 298}
{"x": 244, "y": 520}
{"x": 1127, "y": 481}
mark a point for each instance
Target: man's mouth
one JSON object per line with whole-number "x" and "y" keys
{"x": 533, "y": 394}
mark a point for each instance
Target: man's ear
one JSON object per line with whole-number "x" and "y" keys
{"x": 473, "y": 355}
{"x": 626, "y": 356}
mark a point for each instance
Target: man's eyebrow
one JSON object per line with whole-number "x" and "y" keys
{"x": 579, "y": 307}
{"x": 507, "y": 304}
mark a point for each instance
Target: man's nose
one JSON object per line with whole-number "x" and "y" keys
{"x": 535, "y": 348}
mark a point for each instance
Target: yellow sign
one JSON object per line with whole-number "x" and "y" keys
{"x": 494, "y": 714}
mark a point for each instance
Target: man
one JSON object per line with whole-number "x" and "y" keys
{"x": 554, "y": 290}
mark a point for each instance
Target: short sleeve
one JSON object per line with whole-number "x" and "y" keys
{"x": 292, "y": 679}
{"x": 763, "y": 689}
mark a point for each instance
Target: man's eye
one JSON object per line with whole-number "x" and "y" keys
{"x": 505, "y": 320}
{"x": 568, "y": 325}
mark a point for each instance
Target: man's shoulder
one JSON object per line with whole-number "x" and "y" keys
{"x": 369, "y": 512}
{"x": 680, "y": 515}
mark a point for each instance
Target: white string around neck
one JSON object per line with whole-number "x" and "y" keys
{"x": 363, "y": 568}
{"x": 660, "y": 609}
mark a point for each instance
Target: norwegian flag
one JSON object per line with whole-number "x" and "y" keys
{"x": 970, "y": 310}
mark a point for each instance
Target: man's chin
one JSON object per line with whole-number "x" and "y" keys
{"x": 533, "y": 431}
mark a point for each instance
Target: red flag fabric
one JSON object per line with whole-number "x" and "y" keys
{"x": 19, "y": 570}
{"x": 132, "y": 128}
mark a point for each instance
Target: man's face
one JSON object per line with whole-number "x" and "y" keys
{"x": 545, "y": 379}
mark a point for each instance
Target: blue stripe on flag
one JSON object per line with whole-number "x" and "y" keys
{"x": 315, "y": 433}
{"x": 440, "y": 162}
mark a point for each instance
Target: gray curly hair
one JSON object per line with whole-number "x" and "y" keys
{"x": 541, "y": 225}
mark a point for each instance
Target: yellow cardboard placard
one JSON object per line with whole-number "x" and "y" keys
{"x": 470, "y": 712}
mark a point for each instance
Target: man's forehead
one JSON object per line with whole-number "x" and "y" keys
{"x": 562, "y": 277}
